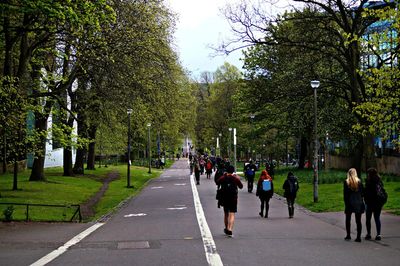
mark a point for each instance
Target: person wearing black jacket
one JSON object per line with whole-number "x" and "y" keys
{"x": 353, "y": 201}
{"x": 373, "y": 203}
{"x": 290, "y": 186}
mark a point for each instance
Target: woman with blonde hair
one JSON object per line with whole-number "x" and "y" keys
{"x": 353, "y": 202}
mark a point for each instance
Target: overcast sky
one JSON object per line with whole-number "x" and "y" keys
{"x": 200, "y": 25}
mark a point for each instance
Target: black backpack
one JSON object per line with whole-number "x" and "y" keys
{"x": 228, "y": 188}
{"x": 293, "y": 185}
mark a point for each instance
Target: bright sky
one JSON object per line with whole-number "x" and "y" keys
{"x": 201, "y": 25}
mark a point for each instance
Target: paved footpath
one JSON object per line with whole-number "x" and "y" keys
{"x": 174, "y": 222}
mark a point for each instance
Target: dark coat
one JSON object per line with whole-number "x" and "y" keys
{"x": 353, "y": 200}
{"x": 260, "y": 192}
{"x": 286, "y": 187}
{"x": 370, "y": 195}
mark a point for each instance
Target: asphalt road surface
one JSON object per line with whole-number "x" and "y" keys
{"x": 168, "y": 224}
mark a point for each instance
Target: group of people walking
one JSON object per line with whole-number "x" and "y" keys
{"x": 359, "y": 199}
{"x": 228, "y": 184}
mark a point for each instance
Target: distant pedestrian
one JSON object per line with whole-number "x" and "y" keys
{"x": 265, "y": 190}
{"x": 375, "y": 197}
{"x": 353, "y": 201}
{"x": 197, "y": 170}
{"x": 209, "y": 168}
{"x": 229, "y": 183}
{"x": 290, "y": 187}
{"x": 250, "y": 171}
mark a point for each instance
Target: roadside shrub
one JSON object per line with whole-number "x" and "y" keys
{"x": 8, "y": 213}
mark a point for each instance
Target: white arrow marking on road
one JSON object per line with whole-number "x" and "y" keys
{"x": 180, "y": 184}
{"x": 156, "y": 187}
{"x": 177, "y": 208}
{"x": 135, "y": 215}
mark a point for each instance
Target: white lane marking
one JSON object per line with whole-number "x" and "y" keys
{"x": 135, "y": 215}
{"x": 177, "y": 208}
{"x": 76, "y": 239}
{"x": 212, "y": 255}
{"x": 180, "y": 184}
{"x": 156, "y": 187}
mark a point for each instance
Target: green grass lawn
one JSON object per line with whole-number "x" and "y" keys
{"x": 60, "y": 190}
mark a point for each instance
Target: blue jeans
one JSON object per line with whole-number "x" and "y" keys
{"x": 377, "y": 218}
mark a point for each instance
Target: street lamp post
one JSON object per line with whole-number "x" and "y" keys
{"x": 230, "y": 143}
{"x": 252, "y": 116}
{"x": 219, "y": 146}
{"x": 315, "y": 85}
{"x": 234, "y": 148}
{"x": 149, "y": 149}
{"x": 129, "y": 112}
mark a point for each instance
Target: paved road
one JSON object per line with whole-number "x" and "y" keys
{"x": 160, "y": 227}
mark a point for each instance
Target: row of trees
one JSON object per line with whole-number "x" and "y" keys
{"x": 87, "y": 62}
{"x": 329, "y": 41}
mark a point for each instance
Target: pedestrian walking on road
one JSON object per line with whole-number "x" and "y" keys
{"x": 250, "y": 171}
{"x": 375, "y": 197}
{"x": 209, "y": 168}
{"x": 290, "y": 187}
{"x": 265, "y": 190}
{"x": 197, "y": 170}
{"x": 229, "y": 183}
{"x": 353, "y": 201}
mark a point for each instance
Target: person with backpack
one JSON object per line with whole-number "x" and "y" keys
{"x": 375, "y": 197}
{"x": 265, "y": 190}
{"x": 250, "y": 171}
{"x": 209, "y": 168}
{"x": 229, "y": 184}
{"x": 290, "y": 187}
{"x": 353, "y": 191}
{"x": 197, "y": 170}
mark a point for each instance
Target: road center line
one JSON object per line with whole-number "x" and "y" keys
{"x": 76, "y": 239}
{"x": 212, "y": 255}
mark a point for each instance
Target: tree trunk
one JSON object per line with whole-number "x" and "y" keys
{"x": 37, "y": 173}
{"x": 67, "y": 161}
{"x": 92, "y": 146}
{"x": 81, "y": 151}
{"x": 358, "y": 156}
{"x": 369, "y": 152}
{"x": 303, "y": 152}
{"x": 79, "y": 161}
{"x": 15, "y": 179}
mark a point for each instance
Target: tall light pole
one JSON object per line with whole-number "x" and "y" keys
{"x": 129, "y": 112}
{"x": 234, "y": 148}
{"x": 219, "y": 146}
{"x": 230, "y": 143}
{"x": 315, "y": 85}
{"x": 149, "y": 148}
{"x": 252, "y": 116}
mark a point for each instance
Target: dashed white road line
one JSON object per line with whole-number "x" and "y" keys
{"x": 212, "y": 255}
{"x": 76, "y": 239}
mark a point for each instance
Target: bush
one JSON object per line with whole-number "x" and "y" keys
{"x": 8, "y": 213}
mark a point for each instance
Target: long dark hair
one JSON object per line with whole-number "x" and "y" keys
{"x": 372, "y": 175}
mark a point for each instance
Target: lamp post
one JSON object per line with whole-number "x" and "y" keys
{"x": 315, "y": 85}
{"x": 219, "y": 146}
{"x": 129, "y": 112}
{"x": 230, "y": 143}
{"x": 149, "y": 149}
{"x": 252, "y": 116}
{"x": 234, "y": 148}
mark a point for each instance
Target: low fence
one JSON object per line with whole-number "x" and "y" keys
{"x": 66, "y": 209}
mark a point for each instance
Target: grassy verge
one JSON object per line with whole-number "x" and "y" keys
{"x": 330, "y": 189}
{"x": 60, "y": 190}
